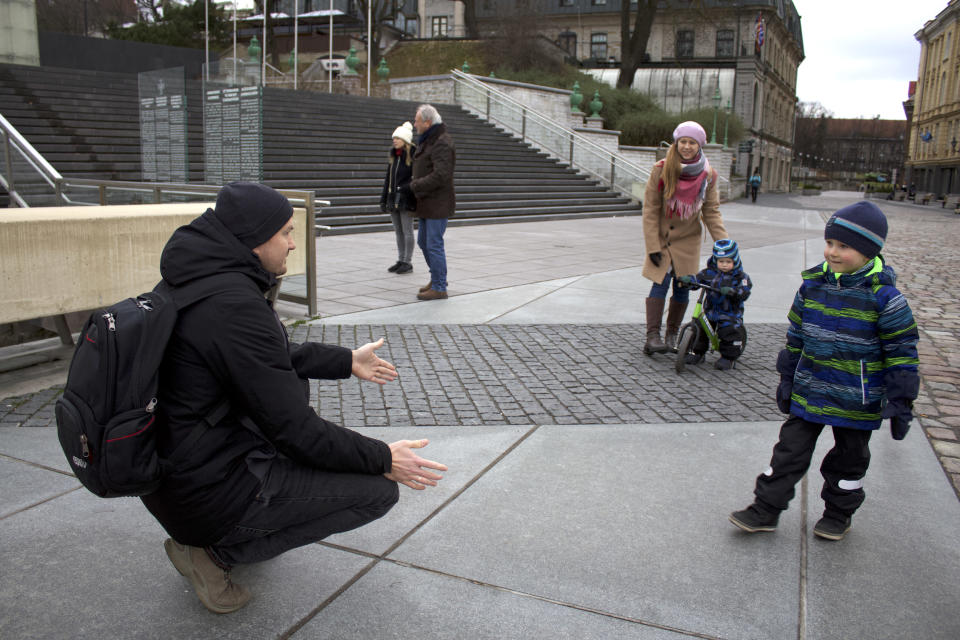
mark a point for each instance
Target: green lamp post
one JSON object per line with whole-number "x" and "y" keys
{"x": 575, "y": 98}
{"x": 716, "y": 108}
{"x": 466, "y": 67}
{"x": 253, "y": 49}
{"x": 726, "y": 123}
{"x": 596, "y": 105}
{"x": 383, "y": 70}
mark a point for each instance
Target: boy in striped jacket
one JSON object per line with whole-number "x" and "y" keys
{"x": 850, "y": 362}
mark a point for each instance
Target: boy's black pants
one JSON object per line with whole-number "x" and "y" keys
{"x": 843, "y": 467}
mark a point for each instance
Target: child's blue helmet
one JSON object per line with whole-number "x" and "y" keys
{"x": 727, "y": 249}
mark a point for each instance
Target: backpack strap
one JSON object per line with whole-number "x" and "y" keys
{"x": 209, "y": 420}
{"x": 183, "y": 297}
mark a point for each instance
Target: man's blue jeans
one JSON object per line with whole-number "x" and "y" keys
{"x": 430, "y": 240}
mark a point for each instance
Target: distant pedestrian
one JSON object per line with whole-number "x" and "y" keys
{"x": 433, "y": 166}
{"x": 755, "y": 181}
{"x": 681, "y": 191}
{"x": 850, "y": 361}
{"x": 397, "y": 198}
{"x": 723, "y": 308}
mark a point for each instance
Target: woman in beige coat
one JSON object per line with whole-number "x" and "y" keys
{"x": 681, "y": 192}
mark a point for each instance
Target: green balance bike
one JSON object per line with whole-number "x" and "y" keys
{"x": 690, "y": 332}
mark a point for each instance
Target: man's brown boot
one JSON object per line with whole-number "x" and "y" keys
{"x": 212, "y": 584}
{"x": 654, "y": 317}
{"x": 425, "y": 287}
{"x": 432, "y": 294}
{"x": 674, "y": 318}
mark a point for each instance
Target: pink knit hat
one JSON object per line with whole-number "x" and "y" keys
{"x": 690, "y": 129}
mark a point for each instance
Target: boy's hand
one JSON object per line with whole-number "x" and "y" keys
{"x": 726, "y": 291}
{"x": 687, "y": 281}
{"x": 784, "y": 391}
{"x": 899, "y": 427}
{"x": 900, "y": 413}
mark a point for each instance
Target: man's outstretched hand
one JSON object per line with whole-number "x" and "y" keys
{"x": 410, "y": 469}
{"x": 368, "y": 366}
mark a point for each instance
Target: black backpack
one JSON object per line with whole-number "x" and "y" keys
{"x": 107, "y": 417}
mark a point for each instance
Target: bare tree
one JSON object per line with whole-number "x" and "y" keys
{"x": 634, "y": 42}
{"x": 82, "y": 17}
{"x": 381, "y": 11}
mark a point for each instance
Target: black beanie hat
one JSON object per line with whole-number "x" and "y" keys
{"x": 861, "y": 225}
{"x": 252, "y": 212}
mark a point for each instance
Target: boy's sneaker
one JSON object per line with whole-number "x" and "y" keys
{"x": 723, "y": 364}
{"x": 693, "y": 358}
{"x": 754, "y": 519}
{"x": 832, "y": 527}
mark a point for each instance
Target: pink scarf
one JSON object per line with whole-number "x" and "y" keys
{"x": 691, "y": 189}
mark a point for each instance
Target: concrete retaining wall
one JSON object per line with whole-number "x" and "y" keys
{"x": 56, "y": 260}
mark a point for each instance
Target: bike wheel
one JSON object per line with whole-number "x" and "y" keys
{"x": 743, "y": 339}
{"x": 688, "y": 335}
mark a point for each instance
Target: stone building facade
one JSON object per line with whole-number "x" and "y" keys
{"x": 694, "y": 50}
{"x": 933, "y": 156}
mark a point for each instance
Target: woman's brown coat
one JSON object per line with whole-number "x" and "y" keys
{"x": 677, "y": 240}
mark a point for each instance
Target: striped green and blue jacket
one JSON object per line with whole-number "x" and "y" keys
{"x": 852, "y": 346}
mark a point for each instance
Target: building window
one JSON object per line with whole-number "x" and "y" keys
{"x": 598, "y": 46}
{"x": 438, "y": 27}
{"x": 684, "y": 44}
{"x": 567, "y": 41}
{"x": 598, "y": 2}
{"x": 725, "y": 43}
{"x": 566, "y": 3}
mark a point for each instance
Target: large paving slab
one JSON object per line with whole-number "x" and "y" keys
{"x": 629, "y": 520}
{"x": 895, "y": 573}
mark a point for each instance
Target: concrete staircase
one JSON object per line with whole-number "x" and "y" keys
{"x": 86, "y": 125}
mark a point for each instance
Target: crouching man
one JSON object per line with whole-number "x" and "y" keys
{"x": 270, "y": 475}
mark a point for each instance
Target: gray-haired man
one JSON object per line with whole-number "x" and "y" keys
{"x": 432, "y": 183}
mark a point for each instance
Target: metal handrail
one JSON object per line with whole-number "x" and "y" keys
{"x": 580, "y": 153}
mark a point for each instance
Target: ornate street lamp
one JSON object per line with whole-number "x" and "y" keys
{"x": 716, "y": 108}
{"x": 726, "y": 123}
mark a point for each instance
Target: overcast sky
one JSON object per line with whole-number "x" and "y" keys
{"x": 860, "y": 54}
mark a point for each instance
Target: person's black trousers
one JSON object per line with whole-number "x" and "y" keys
{"x": 299, "y": 505}
{"x": 843, "y": 467}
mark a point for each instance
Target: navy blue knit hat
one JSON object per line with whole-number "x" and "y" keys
{"x": 860, "y": 225}
{"x": 727, "y": 249}
{"x": 252, "y": 212}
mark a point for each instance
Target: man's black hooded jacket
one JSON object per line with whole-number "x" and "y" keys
{"x": 232, "y": 345}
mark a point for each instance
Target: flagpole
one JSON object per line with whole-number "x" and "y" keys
{"x": 206, "y": 38}
{"x": 369, "y": 43}
{"x": 263, "y": 64}
{"x": 235, "y": 83}
{"x": 330, "y": 57}
{"x": 296, "y": 30}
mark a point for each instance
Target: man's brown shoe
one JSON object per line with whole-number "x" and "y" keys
{"x": 432, "y": 294}
{"x": 212, "y": 584}
{"x": 429, "y": 285}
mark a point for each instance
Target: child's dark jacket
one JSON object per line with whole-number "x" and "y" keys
{"x": 722, "y": 310}
{"x": 851, "y": 354}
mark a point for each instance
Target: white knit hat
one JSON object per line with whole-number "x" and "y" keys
{"x": 404, "y": 132}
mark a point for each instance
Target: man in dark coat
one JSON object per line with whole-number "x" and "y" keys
{"x": 270, "y": 475}
{"x": 432, "y": 184}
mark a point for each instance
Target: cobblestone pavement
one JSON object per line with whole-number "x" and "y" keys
{"x": 518, "y": 374}
{"x": 923, "y": 245}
